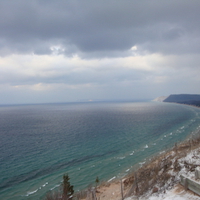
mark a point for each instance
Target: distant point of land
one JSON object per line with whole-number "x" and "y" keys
{"x": 189, "y": 99}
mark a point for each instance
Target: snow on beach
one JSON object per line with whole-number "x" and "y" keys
{"x": 173, "y": 190}
{"x": 172, "y": 195}
{"x": 160, "y": 178}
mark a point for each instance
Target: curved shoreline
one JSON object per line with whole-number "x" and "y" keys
{"x": 112, "y": 190}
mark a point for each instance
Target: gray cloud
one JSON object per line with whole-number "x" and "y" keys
{"x": 93, "y": 27}
{"x": 66, "y": 50}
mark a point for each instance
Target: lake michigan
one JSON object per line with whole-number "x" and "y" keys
{"x": 40, "y": 143}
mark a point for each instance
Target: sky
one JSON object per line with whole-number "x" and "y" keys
{"x": 80, "y": 50}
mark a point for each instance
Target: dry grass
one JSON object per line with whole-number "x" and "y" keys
{"x": 156, "y": 175}
{"x": 53, "y": 196}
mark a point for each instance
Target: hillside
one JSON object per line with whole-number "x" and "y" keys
{"x": 190, "y": 99}
{"x": 156, "y": 179}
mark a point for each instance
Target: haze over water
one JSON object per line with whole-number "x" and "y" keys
{"x": 39, "y": 143}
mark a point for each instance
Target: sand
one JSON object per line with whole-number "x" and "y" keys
{"x": 110, "y": 191}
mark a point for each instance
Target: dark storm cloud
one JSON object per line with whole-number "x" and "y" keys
{"x": 99, "y": 28}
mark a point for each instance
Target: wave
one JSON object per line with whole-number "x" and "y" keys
{"x": 45, "y": 184}
{"x": 121, "y": 158}
{"x": 41, "y": 172}
{"x": 55, "y": 187}
{"x": 142, "y": 163}
{"x": 34, "y": 191}
{"x": 162, "y": 152}
{"x": 112, "y": 179}
{"x": 29, "y": 193}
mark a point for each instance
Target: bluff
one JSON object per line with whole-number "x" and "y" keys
{"x": 190, "y": 99}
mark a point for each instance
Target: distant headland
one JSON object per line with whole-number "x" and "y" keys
{"x": 189, "y": 99}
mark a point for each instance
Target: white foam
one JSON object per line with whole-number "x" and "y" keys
{"x": 112, "y": 179}
{"x": 141, "y": 163}
{"x": 162, "y": 152}
{"x": 146, "y": 146}
{"x": 121, "y": 158}
{"x": 32, "y": 192}
{"x": 54, "y": 187}
{"x": 131, "y": 153}
{"x": 45, "y": 184}
{"x": 127, "y": 170}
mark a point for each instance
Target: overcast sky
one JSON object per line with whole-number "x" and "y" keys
{"x": 73, "y": 50}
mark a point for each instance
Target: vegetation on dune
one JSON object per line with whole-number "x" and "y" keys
{"x": 162, "y": 171}
{"x": 68, "y": 190}
{"x": 65, "y": 194}
{"x": 158, "y": 175}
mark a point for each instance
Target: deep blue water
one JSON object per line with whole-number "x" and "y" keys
{"x": 39, "y": 143}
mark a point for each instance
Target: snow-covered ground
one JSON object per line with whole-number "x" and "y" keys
{"x": 177, "y": 192}
{"x": 174, "y": 195}
{"x": 170, "y": 195}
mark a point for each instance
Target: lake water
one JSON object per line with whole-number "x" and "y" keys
{"x": 39, "y": 143}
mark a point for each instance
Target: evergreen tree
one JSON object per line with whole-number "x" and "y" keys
{"x": 68, "y": 190}
{"x": 97, "y": 181}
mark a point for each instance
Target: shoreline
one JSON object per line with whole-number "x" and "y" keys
{"x": 111, "y": 190}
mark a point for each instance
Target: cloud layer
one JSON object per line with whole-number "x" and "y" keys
{"x": 71, "y": 50}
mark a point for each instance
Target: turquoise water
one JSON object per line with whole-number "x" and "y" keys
{"x": 39, "y": 143}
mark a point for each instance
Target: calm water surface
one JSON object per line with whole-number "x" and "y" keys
{"x": 39, "y": 143}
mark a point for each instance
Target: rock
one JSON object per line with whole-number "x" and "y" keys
{"x": 155, "y": 189}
